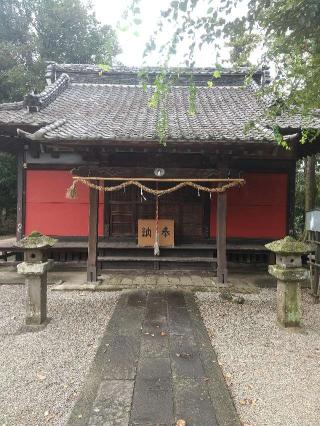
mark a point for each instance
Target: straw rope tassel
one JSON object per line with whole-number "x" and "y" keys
{"x": 71, "y": 193}
{"x": 156, "y": 242}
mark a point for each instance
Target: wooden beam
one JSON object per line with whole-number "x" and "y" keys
{"x": 92, "y": 235}
{"x": 144, "y": 179}
{"x": 291, "y": 198}
{"x": 21, "y": 173}
{"x": 222, "y": 237}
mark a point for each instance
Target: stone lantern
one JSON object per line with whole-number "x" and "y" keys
{"x": 289, "y": 273}
{"x": 35, "y": 268}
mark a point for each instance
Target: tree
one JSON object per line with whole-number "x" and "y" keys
{"x": 68, "y": 31}
{"x": 31, "y": 32}
{"x": 284, "y": 33}
{"x": 8, "y": 193}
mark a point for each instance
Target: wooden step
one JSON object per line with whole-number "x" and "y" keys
{"x": 155, "y": 259}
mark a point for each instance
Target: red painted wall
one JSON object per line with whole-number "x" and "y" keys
{"x": 50, "y": 212}
{"x": 258, "y": 209}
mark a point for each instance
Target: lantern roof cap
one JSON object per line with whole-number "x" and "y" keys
{"x": 288, "y": 246}
{"x": 36, "y": 240}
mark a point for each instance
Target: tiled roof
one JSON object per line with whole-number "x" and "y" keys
{"x": 69, "y": 110}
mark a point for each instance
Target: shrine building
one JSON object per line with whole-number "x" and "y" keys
{"x": 90, "y": 164}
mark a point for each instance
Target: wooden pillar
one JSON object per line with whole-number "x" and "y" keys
{"x": 92, "y": 235}
{"x": 222, "y": 237}
{"x": 291, "y": 198}
{"x": 20, "y": 196}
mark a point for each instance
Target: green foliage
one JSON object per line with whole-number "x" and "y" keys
{"x": 33, "y": 31}
{"x": 192, "y": 97}
{"x": 158, "y": 100}
{"x": 8, "y": 193}
{"x": 162, "y": 85}
{"x": 286, "y": 33}
{"x": 279, "y": 138}
{"x": 68, "y": 31}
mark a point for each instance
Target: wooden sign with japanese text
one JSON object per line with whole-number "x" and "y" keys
{"x": 147, "y": 232}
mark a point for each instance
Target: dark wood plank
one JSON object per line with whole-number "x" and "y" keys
{"x": 142, "y": 172}
{"x": 93, "y": 236}
{"x": 156, "y": 259}
{"x": 291, "y": 198}
{"x": 222, "y": 237}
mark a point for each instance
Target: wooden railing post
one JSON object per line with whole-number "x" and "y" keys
{"x": 222, "y": 237}
{"x": 92, "y": 235}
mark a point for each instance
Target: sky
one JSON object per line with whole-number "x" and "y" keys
{"x": 134, "y": 39}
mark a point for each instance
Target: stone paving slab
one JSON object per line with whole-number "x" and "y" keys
{"x": 155, "y": 365}
{"x": 75, "y": 280}
{"x": 113, "y": 403}
{"x": 193, "y": 403}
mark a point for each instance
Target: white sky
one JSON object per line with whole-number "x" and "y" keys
{"x": 110, "y": 12}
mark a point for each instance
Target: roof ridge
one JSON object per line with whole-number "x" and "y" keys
{"x": 39, "y": 134}
{"x": 83, "y": 84}
{"x": 11, "y": 106}
{"x": 87, "y": 68}
{"x": 34, "y": 102}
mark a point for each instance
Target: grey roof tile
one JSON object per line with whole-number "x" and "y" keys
{"x": 68, "y": 110}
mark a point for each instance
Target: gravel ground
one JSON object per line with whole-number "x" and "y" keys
{"x": 273, "y": 373}
{"x": 41, "y": 372}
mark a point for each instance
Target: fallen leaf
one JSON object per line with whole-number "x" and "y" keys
{"x": 163, "y": 333}
{"x": 41, "y": 376}
{"x": 248, "y": 401}
{"x": 184, "y": 355}
{"x": 181, "y": 422}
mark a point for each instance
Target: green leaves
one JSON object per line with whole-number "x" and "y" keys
{"x": 34, "y": 31}
{"x": 8, "y": 194}
{"x": 192, "y": 97}
{"x": 183, "y": 5}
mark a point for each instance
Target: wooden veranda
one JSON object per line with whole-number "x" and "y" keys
{"x": 100, "y": 182}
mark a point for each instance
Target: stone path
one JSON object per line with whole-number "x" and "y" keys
{"x": 155, "y": 366}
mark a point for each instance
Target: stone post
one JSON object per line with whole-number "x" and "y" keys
{"x": 35, "y": 268}
{"x": 289, "y": 273}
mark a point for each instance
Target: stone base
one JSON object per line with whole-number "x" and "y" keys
{"x": 289, "y": 303}
{"x": 36, "y": 299}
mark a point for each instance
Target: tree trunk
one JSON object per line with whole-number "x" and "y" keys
{"x": 310, "y": 187}
{"x": 310, "y": 183}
